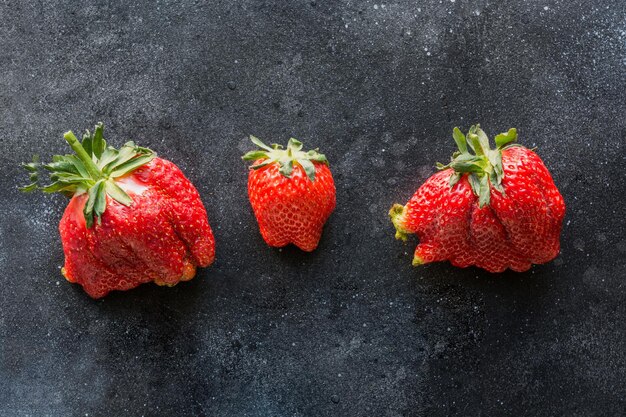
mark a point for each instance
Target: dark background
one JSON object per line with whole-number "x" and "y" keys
{"x": 351, "y": 329}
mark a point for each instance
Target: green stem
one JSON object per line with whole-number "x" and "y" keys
{"x": 90, "y": 165}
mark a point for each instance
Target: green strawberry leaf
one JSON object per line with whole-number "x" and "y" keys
{"x": 131, "y": 165}
{"x": 96, "y": 203}
{"x": 308, "y": 167}
{"x": 262, "y": 164}
{"x": 484, "y": 194}
{"x": 33, "y": 170}
{"x": 126, "y": 153}
{"x": 474, "y": 183}
{"x": 33, "y": 186}
{"x": 108, "y": 155}
{"x": 503, "y": 139}
{"x": 254, "y": 155}
{"x": 286, "y": 168}
{"x": 115, "y": 192}
{"x": 294, "y": 144}
{"x": 459, "y": 138}
{"x": 78, "y": 165}
{"x": 454, "y": 179}
{"x": 258, "y": 143}
{"x": 98, "y": 143}
{"x": 87, "y": 143}
{"x": 313, "y": 155}
{"x": 474, "y": 141}
{"x": 468, "y": 163}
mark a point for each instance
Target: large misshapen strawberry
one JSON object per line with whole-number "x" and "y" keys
{"x": 292, "y": 193}
{"x": 494, "y": 208}
{"x": 132, "y": 218}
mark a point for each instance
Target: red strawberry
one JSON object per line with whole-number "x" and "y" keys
{"x": 150, "y": 224}
{"x": 292, "y": 193}
{"x": 496, "y": 209}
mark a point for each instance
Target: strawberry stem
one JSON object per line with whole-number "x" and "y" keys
{"x": 90, "y": 165}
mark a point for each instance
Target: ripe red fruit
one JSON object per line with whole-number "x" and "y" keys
{"x": 496, "y": 209}
{"x": 292, "y": 193}
{"x": 132, "y": 218}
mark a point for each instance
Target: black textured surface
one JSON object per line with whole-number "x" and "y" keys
{"x": 351, "y": 329}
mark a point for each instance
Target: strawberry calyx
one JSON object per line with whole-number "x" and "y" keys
{"x": 285, "y": 158}
{"x": 93, "y": 170}
{"x": 484, "y": 165}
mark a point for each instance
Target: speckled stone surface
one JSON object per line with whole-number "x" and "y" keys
{"x": 351, "y": 329}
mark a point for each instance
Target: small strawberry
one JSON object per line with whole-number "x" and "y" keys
{"x": 132, "y": 218}
{"x": 292, "y": 193}
{"x": 495, "y": 208}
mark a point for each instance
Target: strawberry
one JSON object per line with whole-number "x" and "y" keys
{"x": 494, "y": 208}
{"x": 132, "y": 218}
{"x": 292, "y": 193}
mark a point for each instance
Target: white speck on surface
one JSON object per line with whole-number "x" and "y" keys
{"x": 376, "y": 7}
{"x": 546, "y": 8}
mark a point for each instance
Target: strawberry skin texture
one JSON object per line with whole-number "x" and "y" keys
{"x": 518, "y": 228}
{"x": 291, "y": 209}
{"x": 161, "y": 237}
